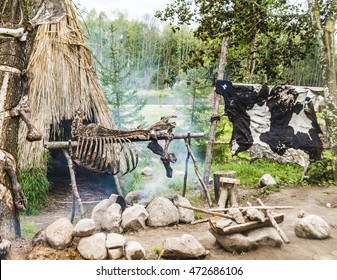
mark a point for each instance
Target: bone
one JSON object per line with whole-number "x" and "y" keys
{"x": 18, "y": 33}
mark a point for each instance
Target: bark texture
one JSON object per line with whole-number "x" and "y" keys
{"x": 325, "y": 28}
{"x": 13, "y": 60}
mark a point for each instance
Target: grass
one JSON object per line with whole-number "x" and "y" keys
{"x": 35, "y": 186}
{"x": 250, "y": 173}
{"x": 157, "y": 249}
{"x": 28, "y": 230}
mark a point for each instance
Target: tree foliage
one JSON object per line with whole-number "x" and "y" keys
{"x": 266, "y": 36}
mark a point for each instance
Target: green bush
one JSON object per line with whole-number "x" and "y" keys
{"x": 35, "y": 186}
{"x": 320, "y": 172}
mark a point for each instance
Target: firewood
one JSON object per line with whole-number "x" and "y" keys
{"x": 200, "y": 221}
{"x": 254, "y": 207}
{"x": 274, "y": 223}
{"x": 278, "y": 218}
{"x": 203, "y": 211}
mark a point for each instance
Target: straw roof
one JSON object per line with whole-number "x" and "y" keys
{"x": 62, "y": 80}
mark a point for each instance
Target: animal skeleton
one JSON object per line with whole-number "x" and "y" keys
{"x": 111, "y": 151}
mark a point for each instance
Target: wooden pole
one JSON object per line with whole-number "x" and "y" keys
{"x": 254, "y": 207}
{"x": 215, "y": 112}
{"x": 186, "y": 166}
{"x": 76, "y": 195}
{"x": 204, "y": 211}
{"x": 64, "y": 144}
{"x": 274, "y": 223}
{"x": 197, "y": 172}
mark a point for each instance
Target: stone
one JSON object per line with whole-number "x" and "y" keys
{"x": 266, "y": 180}
{"x": 59, "y": 234}
{"x": 251, "y": 240}
{"x": 140, "y": 196}
{"x": 116, "y": 254}
{"x": 183, "y": 247}
{"x": 147, "y": 171}
{"x": 237, "y": 215}
{"x": 185, "y": 215}
{"x": 312, "y": 226}
{"x": 115, "y": 240}
{"x": 134, "y": 251}
{"x": 255, "y": 215}
{"x": 98, "y": 211}
{"x": 223, "y": 222}
{"x": 112, "y": 218}
{"x": 5, "y": 246}
{"x": 84, "y": 227}
{"x": 93, "y": 247}
{"x": 39, "y": 238}
{"x": 162, "y": 212}
{"x": 115, "y": 198}
{"x": 134, "y": 218}
{"x": 300, "y": 213}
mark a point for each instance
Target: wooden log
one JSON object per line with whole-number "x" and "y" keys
{"x": 274, "y": 223}
{"x": 239, "y": 228}
{"x": 216, "y": 181}
{"x": 254, "y": 207}
{"x": 197, "y": 172}
{"x": 65, "y": 144}
{"x": 200, "y": 221}
{"x": 203, "y": 211}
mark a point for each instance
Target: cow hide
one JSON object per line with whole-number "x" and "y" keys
{"x": 278, "y": 123}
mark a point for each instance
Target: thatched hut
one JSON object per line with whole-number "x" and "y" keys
{"x": 62, "y": 80}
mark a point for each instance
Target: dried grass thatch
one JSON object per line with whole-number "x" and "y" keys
{"x": 62, "y": 80}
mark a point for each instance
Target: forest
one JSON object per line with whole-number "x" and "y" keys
{"x": 167, "y": 60}
{"x": 85, "y": 95}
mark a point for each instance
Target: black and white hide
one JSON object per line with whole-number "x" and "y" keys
{"x": 279, "y": 124}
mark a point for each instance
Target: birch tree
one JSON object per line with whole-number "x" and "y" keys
{"x": 324, "y": 17}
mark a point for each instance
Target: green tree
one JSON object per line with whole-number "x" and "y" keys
{"x": 265, "y": 36}
{"x": 324, "y": 16}
{"x": 124, "y": 102}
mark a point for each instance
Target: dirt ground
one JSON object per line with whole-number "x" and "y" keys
{"x": 321, "y": 201}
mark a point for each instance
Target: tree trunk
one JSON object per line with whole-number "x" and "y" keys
{"x": 215, "y": 112}
{"x": 13, "y": 59}
{"x": 325, "y": 36}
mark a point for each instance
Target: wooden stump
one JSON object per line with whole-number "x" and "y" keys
{"x": 216, "y": 179}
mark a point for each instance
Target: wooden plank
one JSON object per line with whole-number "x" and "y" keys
{"x": 239, "y": 228}
{"x": 230, "y": 181}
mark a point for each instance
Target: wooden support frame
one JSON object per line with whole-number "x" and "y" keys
{"x": 75, "y": 193}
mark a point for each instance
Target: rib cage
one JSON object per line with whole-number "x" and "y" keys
{"x": 111, "y": 151}
{"x": 108, "y": 155}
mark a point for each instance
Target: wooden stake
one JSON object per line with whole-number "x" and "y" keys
{"x": 215, "y": 113}
{"x": 186, "y": 165}
{"x": 204, "y": 211}
{"x": 75, "y": 192}
{"x": 274, "y": 223}
{"x": 196, "y": 169}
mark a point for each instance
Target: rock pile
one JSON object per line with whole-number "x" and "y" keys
{"x": 100, "y": 236}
